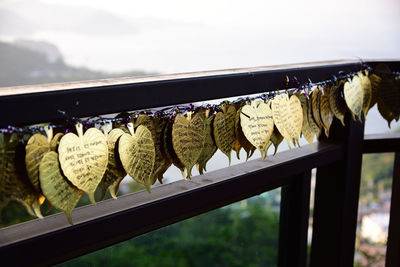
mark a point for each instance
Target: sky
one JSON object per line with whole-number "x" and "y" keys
{"x": 182, "y": 36}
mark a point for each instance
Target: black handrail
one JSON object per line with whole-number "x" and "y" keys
{"x": 338, "y": 163}
{"x": 40, "y": 103}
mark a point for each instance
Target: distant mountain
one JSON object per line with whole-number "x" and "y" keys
{"x": 29, "y": 62}
{"x": 49, "y": 50}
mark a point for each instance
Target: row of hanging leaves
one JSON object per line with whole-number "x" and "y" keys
{"x": 61, "y": 167}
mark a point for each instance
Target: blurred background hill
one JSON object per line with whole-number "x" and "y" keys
{"x": 36, "y": 62}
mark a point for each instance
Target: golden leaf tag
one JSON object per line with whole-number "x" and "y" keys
{"x": 14, "y": 182}
{"x": 188, "y": 137}
{"x": 306, "y": 130}
{"x": 36, "y": 147}
{"x": 326, "y": 113}
{"x": 280, "y": 112}
{"x": 257, "y": 124}
{"x": 237, "y": 146}
{"x": 367, "y": 92}
{"x": 354, "y": 95}
{"x": 267, "y": 147}
{"x": 137, "y": 154}
{"x": 294, "y": 122}
{"x": 241, "y": 138}
{"x": 169, "y": 150}
{"x": 336, "y": 102}
{"x": 62, "y": 195}
{"x": 156, "y": 127}
{"x": 160, "y": 124}
{"x": 315, "y": 105}
{"x": 388, "y": 94}
{"x": 224, "y": 130}
{"x": 311, "y": 122}
{"x": 84, "y": 158}
{"x": 375, "y": 83}
{"x": 115, "y": 171}
{"x": 209, "y": 147}
{"x": 385, "y": 112}
{"x": 276, "y": 139}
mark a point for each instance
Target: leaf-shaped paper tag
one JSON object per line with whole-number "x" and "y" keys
{"x": 354, "y": 96}
{"x": 280, "y": 112}
{"x": 36, "y": 147}
{"x": 326, "y": 113}
{"x": 169, "y": 150}
{"x": 188, "y": 137}
{"x": 160, "y": 123}
{"x": 257, "y": 124}
{"x": 389, "y": 94}
{"x": 115, "y": 171}
{"x": 241, "y": 138}
{"x": 336, "y": 102}
{"x": 224, "y": 130}
{"x": 62, "y": 195}
{"x": 12, "y": 183}
{"x": 367, "y": 92}
{"x": 156, "y": 126}
{"x": 385, "y": 112}
{"x": 294, "y": 122}
{"x": 315, "y": 105}
{"x": 311, "y": 122}
{"x": 276, "y": 139}
{"x": 209, "y": 147}
{"x": 137, "y": 154}
{"x": 306, "y": 130}
{"x": 84, "y": 158}
{"x": 237, "y": 146}
{"x": 375, "y": 83}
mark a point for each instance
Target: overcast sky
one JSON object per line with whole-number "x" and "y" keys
{"x": 180, "y": 36}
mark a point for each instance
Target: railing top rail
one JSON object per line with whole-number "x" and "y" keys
{"x": 28, "y": 89}
{"x": 34, "y": 104}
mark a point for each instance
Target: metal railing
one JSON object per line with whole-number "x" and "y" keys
{"x": 338, "y": 162}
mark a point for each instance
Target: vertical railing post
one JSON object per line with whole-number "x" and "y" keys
{"x": 293, "y": 222}
{"x": 393, "y": 243}
{"x": 336, "y": 200}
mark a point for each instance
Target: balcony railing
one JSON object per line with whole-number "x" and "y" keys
{"x": 337, "y": 159}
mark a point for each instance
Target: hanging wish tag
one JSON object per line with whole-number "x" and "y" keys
{"x": 224, "y": 130}
{"x": 367, "y": 92}
{"x": 156, "y": 127}
{"x": 306, "y": 130}
{"x": 188, "y": 137}
{"x": 388, "y": 94}
{"x": 354, "y": 95}
{"x": 13, "y": 183}
{"x": 257, "y": 125}
{"x": 37, "y": 146}
{"x": 336, "y": 102}
{"x": 326, "y": 113}
{"x": 294, "y": 122}
{"x": 315, "y": 107}
{"x": 276, "y": 139}
{"x": 84, "y": 158}
{"x": 209, "y": 147}
{"x": 55, "y": 187}
{"x": 169, "y": 150}
{"x": 280, "y": 113}
{"x": 115, "y": 171}
{"x": 137, "y": 154}
{"x": 241, "y": 138}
